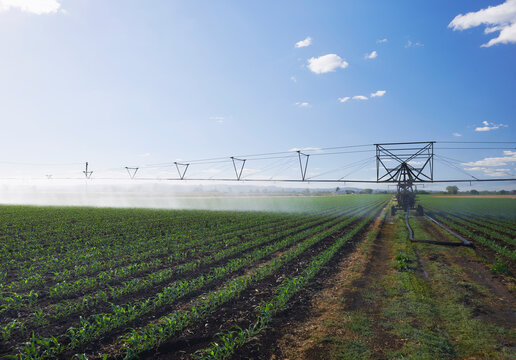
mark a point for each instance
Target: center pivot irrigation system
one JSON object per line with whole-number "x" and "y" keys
{"x": 403, "y": 164}
{"x": 405, "y": 176}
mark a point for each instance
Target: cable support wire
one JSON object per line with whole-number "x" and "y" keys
{"x": 450, "y": 164}
{"x": 34, "y": 164}
{"x": 286, "y": 165}
{"x": 276, "y": 164}
{"x": 248, "y": 156}
{"x": 345, "y": 167}
{"x": 355, "y": 170}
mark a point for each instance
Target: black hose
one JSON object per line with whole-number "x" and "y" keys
{"x": 463, "y": 242}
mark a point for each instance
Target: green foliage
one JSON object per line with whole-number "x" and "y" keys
{"x": 487, "y": 221}
{"x": 500, "y": 267}
{"x": 452, "y": 189}
{"x": 403, "y": 262}
{"x": 69, "y": 261}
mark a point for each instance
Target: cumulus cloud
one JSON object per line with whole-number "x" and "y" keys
{"x": 508, "y": 158}
{"x": 500, "y": 18}
{"x": 489, "y": 126}
{"x": 362, "y": 97}
{"x": 378, "y": 93}
{"x": 456, "y": 134}
{"x": 326, "y": 63}
{"x": 381, "y": 41}
{"x": 491, "y": 172}
{"x": 410, "y": 44}
{"x": 371, "y": 55}
{"x": 303, "y": 104}
{"x": 37, "y": 7}
{"x": 293, "y": 79}
{"x": 304, "y": 43}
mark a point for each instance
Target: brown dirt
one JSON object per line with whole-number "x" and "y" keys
{"x": 340, "y": 293}
{"x": 499, "y": 308}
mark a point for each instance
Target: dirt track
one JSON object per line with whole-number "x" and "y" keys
{"x": 362, "y": 311}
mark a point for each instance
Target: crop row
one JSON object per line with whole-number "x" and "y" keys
{"x": 493, "y": 245}
{"x": 227, "y": 248}
{"x": 503, "y": 226}
{"x": 137, "y": 261}
{"x": 100, "y": 324}
{"x": 66, "y": 308}
{"x": 26, "y": 255}
{"x": 146, "y": 338}
{"x": 114, "y": 253}
{"x": 493, "y": 234}
{"x": 228, "y": 341}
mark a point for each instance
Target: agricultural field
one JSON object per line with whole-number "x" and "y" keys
{"x": 102, "y": 283}
{"x": 490, "y": 223}
{"x": 332, "y": 278}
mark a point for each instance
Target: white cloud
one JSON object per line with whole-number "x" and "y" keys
{"x": 379, "y": 93}
{"x": 145, "y": 155}
{"x": 410, "y": 44}
{"x": 489, "y": 126}
{"x": 456, "y": 134}
{"x": 293, "y": 79}
{"x": 500, "y": 18}
{"x": 508, "y": 158}
{"x": 372, "y": 55}
{"x": 304, "y": 43}
{"x": 303, "y": 104}
{"x": 362, "y": 97}
{"x": 219, "y": 119}
{"x": 380, "y": 41}
{"x": 491, "y": 172}
{"x": 306, "y": 149}
{"x": 37, "y": 7}
{"x": 326, "y": 63}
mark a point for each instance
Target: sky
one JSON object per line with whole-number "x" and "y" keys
{"x": 132, "y": 83}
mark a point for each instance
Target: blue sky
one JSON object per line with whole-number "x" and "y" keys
{"x": 130, "y": 82}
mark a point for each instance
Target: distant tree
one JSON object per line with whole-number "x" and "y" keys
{"x": 474, "y": 192}
{"x": 503, "y": 192}
{"x": 452, "y": 189}
{"x": 367, "y": 191}
{"x": 337, "y": 189}
{"x": 350, "y": 191}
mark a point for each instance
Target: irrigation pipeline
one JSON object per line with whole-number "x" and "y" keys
{"x": 463, "y": 242}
